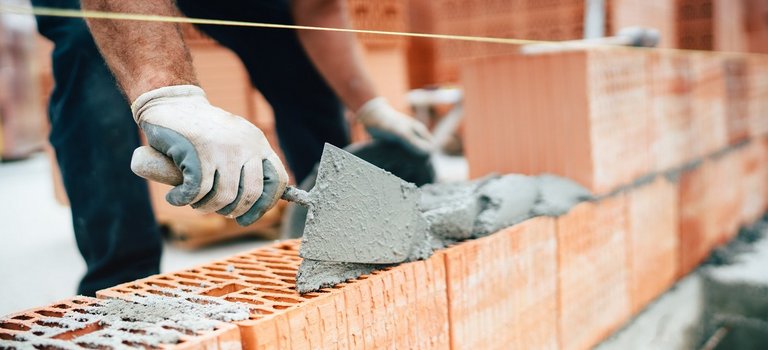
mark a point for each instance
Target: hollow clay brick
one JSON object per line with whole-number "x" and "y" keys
{"x": 502, "y": 289}
{"x": 710, "y": 207}
{"x": 736, "y": 97}
{"x": 593, "y": 297}
{"x": 757, "y": 105}
{"x": 652, "y": 240}
{"x": 582, "y": 115}
{"x": 671, "y": 118}
{"x": 727, "y": 197}
{"x": 708, "y": 105}
{"x": 697, "y": 228}
{"x": 711, "y": 25}
{"x": 384, "y": 15}
{"x": 754, "y": 172}
{"x": 406, "y": 304}
{"x": 15, "y": 327}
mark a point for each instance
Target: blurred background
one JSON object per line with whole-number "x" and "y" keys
{"x": 422, "y": 77}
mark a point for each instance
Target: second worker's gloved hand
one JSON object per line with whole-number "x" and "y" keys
{"x": 227, "y": 163}
{"x": 384, "y": 122}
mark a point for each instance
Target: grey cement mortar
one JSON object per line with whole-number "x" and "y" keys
{"x": 148, "y": 320}
{"x": 459, "y": 211}
{"x": 362, "y": 214}
{"x": 736, "y": 282}
{"x": 314, "y": 275}
{"x": 454, "y": 212}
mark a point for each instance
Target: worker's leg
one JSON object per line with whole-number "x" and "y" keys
{"x": 94, "y": 136}
{"x": 307, "y": 112}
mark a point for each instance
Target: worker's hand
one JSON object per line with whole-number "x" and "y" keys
{"x": 384, "y": 122}
{"x": 226, "y": 162}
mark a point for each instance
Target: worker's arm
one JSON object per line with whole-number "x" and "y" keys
{"x": 338, "y": 57}
{"x": 226, "y": 162}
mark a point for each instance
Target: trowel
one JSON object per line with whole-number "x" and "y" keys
{"x": 357, "y": 213}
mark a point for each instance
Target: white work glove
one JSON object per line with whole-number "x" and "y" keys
{"x": 384, "y": 122}
{"x": 226, "y": 162}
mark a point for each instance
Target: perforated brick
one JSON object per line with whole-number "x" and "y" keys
{"x": 754, "y": 179}
{"x": 708, "y": 105}
{"x": 502, "y": 289}
{"x": 76, "y": 324}
{"x": 582, "y": 115}
{"x": 593, "y": 297}
{"x": 671, "y": 83}
{"x": 757, "y": 105}
{"x": 652, "y": 240}
{"x": 401, "y": 305}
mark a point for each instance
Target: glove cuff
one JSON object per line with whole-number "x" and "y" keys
{"x": 369, "y": 108}
{"x": 143, "y": 101}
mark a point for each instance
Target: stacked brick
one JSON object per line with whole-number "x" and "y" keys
{"x": 502, "y": 289}
{"x": 549, "y": 283}
{"x": 674, "y": 144}
{"x": 404, "y": 306}
{"x": 69, "y": 324}
{"x": 533, "y": 20}
{"x": 577, "y": 114}
{"x": 712, "y": 25}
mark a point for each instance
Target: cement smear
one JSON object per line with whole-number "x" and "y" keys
{"x": 143, "y": 321}
{"x": 454, "y": 212}
{"x": 459, "y": 211}
{"x": 362, "y": 214}
{"x": 314, "y": 275}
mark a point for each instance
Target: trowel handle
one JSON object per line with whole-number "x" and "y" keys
{"x": 293, "y": 194}
{"x": 153, "y": 165}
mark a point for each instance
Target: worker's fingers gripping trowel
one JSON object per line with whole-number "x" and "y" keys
{"x": 358, "y": 213}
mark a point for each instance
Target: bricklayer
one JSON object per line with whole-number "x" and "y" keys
{"x": 502, "y": 289}
{"x": 49, "y": 324}
{"x": 404, "y": 306}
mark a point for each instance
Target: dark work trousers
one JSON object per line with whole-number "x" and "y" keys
{"x": 94, "y": 134}
{"x": 307, "y": 112}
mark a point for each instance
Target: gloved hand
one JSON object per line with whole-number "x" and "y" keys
{"x": 384, "y": 122}
{"x": 226, "y": 162}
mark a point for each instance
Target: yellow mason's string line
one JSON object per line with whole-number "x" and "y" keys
{"x": 59, "y": 12}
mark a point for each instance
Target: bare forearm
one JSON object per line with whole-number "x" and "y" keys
{"x": 142, "y": 55}
{"x": 336, "y": 55}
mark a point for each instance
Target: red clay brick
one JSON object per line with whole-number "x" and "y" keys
{"x": 364, "y": 313}
{"x": 710, "y": 204}
{"x": 582, "y": 115}
{"x": 698, "y": 233}
{"x": 671, "y": 84}
{"x": 736, "y": 98}
{"x": 592, "y": 272}
{"x": 727, "y": 196}
{"x": 708, "y": 105}
{"x": 754, "y": 175}
{"x": 652, "y": 240}
{"x": 757, "y": 105}
{"x": 711, "y": 25}
{"x": 502, "y": 289}
{"x": 15, "y": 327}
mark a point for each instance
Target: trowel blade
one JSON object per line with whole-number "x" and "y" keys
{"x": 361, "y": 214}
